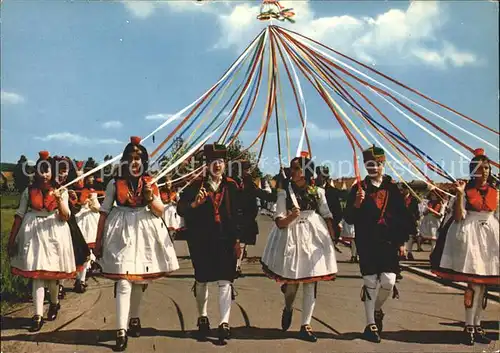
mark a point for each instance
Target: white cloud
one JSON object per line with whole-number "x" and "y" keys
{"x": 158, "y": 116}
{"x": 313, "y": 131}
{"x": 11, "y": 98}
{"x": 113, "y": 124}
{"x": 143, "y": 9}
{"x": 140, "y": 9}
{"x": 449, "y": 55}
{"x": 395, "y": 36}
{"x": 76, "y": 139}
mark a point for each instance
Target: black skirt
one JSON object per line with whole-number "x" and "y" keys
{"x": 213, "y": 259}
{"x": 80, "y": 247}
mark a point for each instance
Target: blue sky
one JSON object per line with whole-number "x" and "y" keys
{"x": 78, "y": 78}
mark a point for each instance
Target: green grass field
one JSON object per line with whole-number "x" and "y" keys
{"x": 9, "y": 201}
{"x": 13, "y": 289}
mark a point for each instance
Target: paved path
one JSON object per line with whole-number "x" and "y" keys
{"x": 427, "y": 318}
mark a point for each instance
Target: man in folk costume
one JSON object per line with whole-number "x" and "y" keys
{"x": 210, "y": 210}
{"x": 241, "y": 173}
{"x": 377, "y": 210}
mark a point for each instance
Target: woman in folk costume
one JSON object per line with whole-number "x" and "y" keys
{"x": 411, "y": 204}
{"x": 86, "y": 205}
{"x": 300, "y": 248}
{"x": 40, "y": 240}
{"x": 433, "y": 216}
{"x": 132, "y": 243}
{"x": 468, "y": 251}
{"x": 210, "y": 209}
{"x": 169, "y": 198}
{"x": 377, "y": 210}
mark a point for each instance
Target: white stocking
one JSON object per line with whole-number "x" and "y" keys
{"x": 387, "y": 281}
{"x": 225, "y": 292}
{"x": 123, "y": 292}
{"x": 479, "y": 310}
{"x": 38, "y": 294}
{"x": 135, "y": 300}
{"x": 290, "y": 294}
{"x": 308, "y": 302}
{"x": 53, "y": 291}
{"x": 371, "y": 286}
{"x": 354, "y": 249}
{"x": 409, "y": 246}
{"x": 201, "y": 291}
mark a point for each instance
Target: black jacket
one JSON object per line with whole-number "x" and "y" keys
{"x": 211, "y": 243}
{"x": 378, "y": 235}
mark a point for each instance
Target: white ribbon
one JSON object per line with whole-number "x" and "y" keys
{"x": 402, "y": 165}
{"x": 420, "y": 125}
{"x": 292, "y": 195}
{"x": 393, "y": 91}
{"x": 176, "y": 115}
{"x": 183, "y": 177}
{"x": 181, "y": 159}
{"x": 303, "y": 102}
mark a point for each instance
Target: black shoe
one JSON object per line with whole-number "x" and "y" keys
{"x": 306, "y": 333}
{"x": 410, "y": 257}
{"x": 286, "y": 319}
{"x": 224, "y": 332}
{"x": 121, "y": 340}
{"x": 480, "y": 336}
{"x": 36, "y": 323}
{"x": 53, "y": 310}
{"x": 371, "y": 334}
{"x": 379, "y": 320}
{"x": 134, "y": 327}
{"x": 79, "y": 287}
{"x": 62, "y": 292}
{"x": 399, "y": 277}
{"x": 468, "y": 335}
{"x": 203, "y": 327}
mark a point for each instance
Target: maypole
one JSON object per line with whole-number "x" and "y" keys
{"x": 230, "y": 104}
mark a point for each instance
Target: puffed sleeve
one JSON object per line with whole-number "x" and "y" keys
{"x": 109, "y": 198}
{"x": 464, "y": 206}
{"x": 65, "y": 200}
{"x": 323, "y": 208}
{"x": 23, "y": 204}
{"x": 281, "y": 205}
